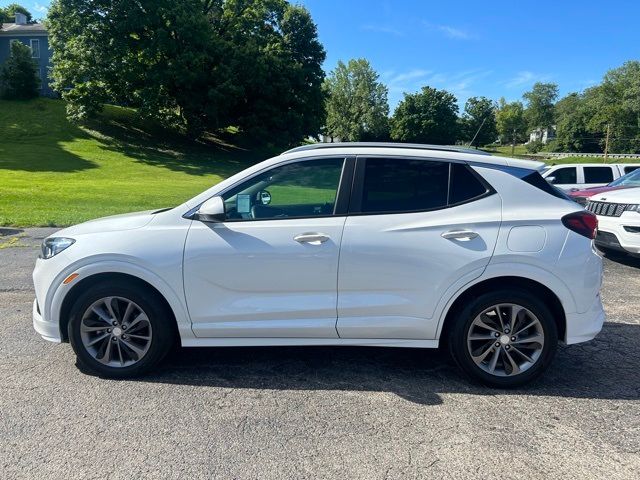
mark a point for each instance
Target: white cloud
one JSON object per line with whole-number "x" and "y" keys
{"x": 525, "y": 78}
{"x": 40, "y": 8}
{"x": 461, "y": 84}
{"x": 449, "y": 31}
{"x": 383, "y": 29}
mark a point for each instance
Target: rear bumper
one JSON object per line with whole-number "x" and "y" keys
{"x": 582, "y": 327}
{"x": 49, "y": 331}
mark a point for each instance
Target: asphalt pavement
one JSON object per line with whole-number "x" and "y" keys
{"x": 314, "y": 412}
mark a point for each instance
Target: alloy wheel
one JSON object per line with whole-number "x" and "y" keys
{"x": 116, "y": 332}
{"x": 505, "y": 339}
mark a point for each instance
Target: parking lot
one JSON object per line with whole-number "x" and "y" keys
{"x": 315, "y": 412}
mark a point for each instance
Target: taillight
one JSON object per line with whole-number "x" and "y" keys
{"x": 585, "y": 223}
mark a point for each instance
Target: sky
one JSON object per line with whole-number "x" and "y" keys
{"x": 472, "y": 48}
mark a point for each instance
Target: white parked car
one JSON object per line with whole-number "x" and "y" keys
{"x": 618, "y": 214}
{"x": 575, "y": 176}
{"x": 335, "y": 244}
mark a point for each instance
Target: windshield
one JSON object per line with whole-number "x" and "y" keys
{"x": 629, "y": 180}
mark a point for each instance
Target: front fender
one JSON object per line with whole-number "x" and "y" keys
{"x": 88, "y": 268}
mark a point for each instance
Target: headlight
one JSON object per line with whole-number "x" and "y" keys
{"x": 54, "y": 245}
{"x": 633, "y": 208}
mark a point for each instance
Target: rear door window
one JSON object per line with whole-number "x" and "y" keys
{"x": 404, "y": 185}
{"x": 397, "y": 185}
{"x": 598, "y": 175}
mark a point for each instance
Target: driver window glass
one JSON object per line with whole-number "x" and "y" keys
{"x": 564, "y": 175}
{"x": 303, "y": 189}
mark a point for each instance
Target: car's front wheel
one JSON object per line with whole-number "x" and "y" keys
{"x": 505, "y": 338}
{"x": 120, "y": 330}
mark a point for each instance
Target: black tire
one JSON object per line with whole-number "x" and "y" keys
{"x": 160, "y": 318}
{"x": 457, "y": 338}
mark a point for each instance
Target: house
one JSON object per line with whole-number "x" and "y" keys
{"x": 35, "y": 36}
{"x": 543, "y": 134}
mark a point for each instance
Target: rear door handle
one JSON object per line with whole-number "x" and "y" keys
{"x": 464, "y": 235}
{"x": 311, "y": 238}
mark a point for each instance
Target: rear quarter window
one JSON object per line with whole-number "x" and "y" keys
{"x": 465, "y": 185}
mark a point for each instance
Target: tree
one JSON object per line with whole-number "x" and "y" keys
{"x": 194, "y": 65}
{"x": 9, "y": 12}
{"x": 479, "y": 121}
{"x": 572, "y": 130}
{"x": 19, "y": 74}
{"x": 275, "y": 61}
{"x": 429, "y": 116}
{"x": 357, "y": 105}
{"x": 539, "y": 108}
{"x": 510, "y": 122}
{"x": 616, "y": 103}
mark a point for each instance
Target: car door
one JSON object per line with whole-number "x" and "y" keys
{"x": 416, "y": 228}
{"x": 597, "y": 176}
{"x": 566, "y": 178}
{"x": 270, "y": 269}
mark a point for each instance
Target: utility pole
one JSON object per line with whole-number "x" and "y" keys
{"x": 513, "y": 142}
{"x": 606, "y": 144}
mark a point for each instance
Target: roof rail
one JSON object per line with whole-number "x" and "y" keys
{"x": 412, "y": 146}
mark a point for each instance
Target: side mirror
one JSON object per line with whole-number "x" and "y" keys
{"x": 551, "y": 179}
{"x": 211, "y": 211}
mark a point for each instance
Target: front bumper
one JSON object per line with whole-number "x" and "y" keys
{"x": 612, "y": 233}
{"x": 49, "y": 331}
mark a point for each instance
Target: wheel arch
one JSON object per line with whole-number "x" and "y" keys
{"x": 491, "y": 284}
{"x": 87, "y": 282}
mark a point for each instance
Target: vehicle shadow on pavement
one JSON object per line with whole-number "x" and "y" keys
{"x": 627, "y": 260}
{"x": 606, "y": 368}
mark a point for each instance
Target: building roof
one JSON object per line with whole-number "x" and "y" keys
{"x": 13, "y": 28}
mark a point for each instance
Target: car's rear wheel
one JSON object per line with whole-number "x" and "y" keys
{"x": 120, "y": 330}
{"x": 505, "y": 338}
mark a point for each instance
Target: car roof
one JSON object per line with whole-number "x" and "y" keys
{"x": 410, "y": 146}
{"x": 444, "y": 152}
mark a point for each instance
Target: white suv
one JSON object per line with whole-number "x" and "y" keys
{"x": 335, "y": 244}
{"x": 618, "y": 214}
{"x": 576, "y": 176}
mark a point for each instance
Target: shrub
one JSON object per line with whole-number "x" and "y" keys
{"x": 535, "y": 146}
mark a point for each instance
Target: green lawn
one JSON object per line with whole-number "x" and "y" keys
{"x": 505, "y": 150}
{"x": 55, "y": 173}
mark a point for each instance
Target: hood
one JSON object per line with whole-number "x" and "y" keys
{"x": 588, "y": 192}
{"x": 625, "y": 195}
{"x": 114, "y": 223}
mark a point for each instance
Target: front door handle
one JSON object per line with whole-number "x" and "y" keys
{"x": 311, "y": 238}
{"x": 464, "y": 235}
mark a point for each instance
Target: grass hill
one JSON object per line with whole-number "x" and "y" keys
{"x": 55, "y": 173}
